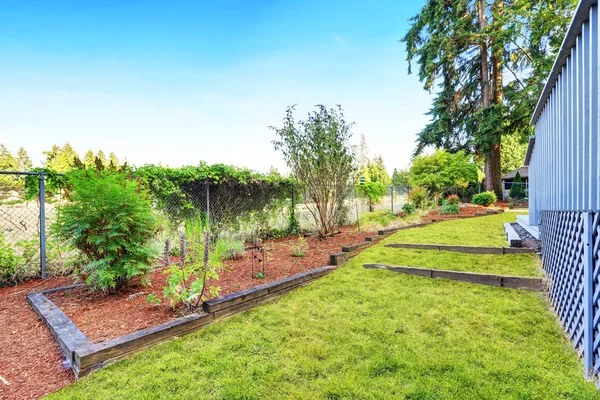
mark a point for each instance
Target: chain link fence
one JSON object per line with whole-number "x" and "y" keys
{"x": 27, "y": 248}
{"x": 232, "y": 211}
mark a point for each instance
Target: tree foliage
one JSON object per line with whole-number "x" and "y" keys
{"x": 443, "y": 170}
{"x": 61, "y": 159}
{"x": 488, "y": 61}
{"x": 401, "y": 177}
{"x": 7, "y": 163}
{"x": 372, "y": 191}
{"x": 513, "y": 153}
{"x": 23, "y": 161}
{"x": 318, "y": 152}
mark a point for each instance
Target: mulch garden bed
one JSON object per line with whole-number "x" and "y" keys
{"x": 30, "y": 360}
{"x": 101, "y": 317}
{"x": 465, "y": 211}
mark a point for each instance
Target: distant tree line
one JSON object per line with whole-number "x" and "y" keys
{"x": 58, "y": 159}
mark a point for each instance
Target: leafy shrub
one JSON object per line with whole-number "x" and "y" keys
{"x": 381, "y": 217}
{"x": 517, "y": 189}
{"x": 453, "y": 199}
{"x": 418, "y": 196}
{"x": 233, "y": 249}
{"x": 373, "y": 192}
{"x": 484, "y": 199}
{"x": 187, "y": 282}
{"x": 8, "y": 262}
{"x": 110, "y": 220}
{"x": 301, "y": 247}
{"x": 408, "y": 209}
{"x": 449, "y": 208}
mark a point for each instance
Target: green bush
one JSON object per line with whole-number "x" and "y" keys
{"x": 110, "y": 220}
{"x": 408, "y": 209}
{"x": 484, "y": 199}
{"x": 382, "y": 217}
{"x": 453, "y": 199}
{"x": 449, "y": 208}
{"x": 8, "y": 262}
{"x": 418, "y": 196}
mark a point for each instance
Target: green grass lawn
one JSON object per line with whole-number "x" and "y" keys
{"x": 363, "y": 334}
{"x": 480, "y": 231}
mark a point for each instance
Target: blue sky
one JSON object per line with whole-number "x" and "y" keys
{"x": 182, "y": 81}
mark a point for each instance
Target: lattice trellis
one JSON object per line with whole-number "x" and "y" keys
{"x": 570, "y": 242}
{"x": 595, "y": 256}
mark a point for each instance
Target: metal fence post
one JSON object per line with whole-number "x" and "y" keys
{"x": 206, "y": 234}
{"x": 42, "y": 224}
{"x": 392, "y": 194}
{"x": 588, "y": 295}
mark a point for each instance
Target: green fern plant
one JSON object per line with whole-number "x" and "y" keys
{"x": 109, "y": 218}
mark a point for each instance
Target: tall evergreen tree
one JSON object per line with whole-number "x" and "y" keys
{"x": 377, "y": 171}
{"x": 7, "y": 163}
{"x": 61, "y": 159}
{"x": 489, "y": 60}
{"x": 113, "y": 160}
{"x": 101, "y": 158}
{"x": 23, "y": 161}
{"x": 89, "y": 159}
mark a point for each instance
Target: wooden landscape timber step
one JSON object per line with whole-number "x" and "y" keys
{"x": 85, "y": 357}
{"x": 338, "y": 259}
{"x": 374, "y": 239}
{"x": 511, "y": 282}
{"x": 389, "y": 231}
{"x": 462, "y": 249}
{"x": 354, "y": 249}
{"x": 350, "y": 251}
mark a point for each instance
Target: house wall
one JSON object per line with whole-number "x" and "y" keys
{"x": 564, "y": 162}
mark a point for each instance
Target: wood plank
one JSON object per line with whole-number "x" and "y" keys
{"x": 354, "y": 249}
{"x": 470, "y": 277}
{"x": 338, "y": 259}
{"x": 93, "y": 354}
{"x": 510, "y": 282}
{"x": 462, "y": 249}
{"x": 523, "y": 283}
{"x": 68, "y": 337}
{"x": 232, "y": 299}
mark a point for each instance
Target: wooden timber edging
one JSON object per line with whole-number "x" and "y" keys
{"x": 86, "y": 357}
{"x": 350, "y": 251}
{"x": 462, "y": 249}
{"x": 511, "y": 282}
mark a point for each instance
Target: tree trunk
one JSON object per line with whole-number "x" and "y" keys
{"x": 493, "y": 173}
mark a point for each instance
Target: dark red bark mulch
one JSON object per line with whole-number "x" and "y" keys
{"x": 102, "y": 317}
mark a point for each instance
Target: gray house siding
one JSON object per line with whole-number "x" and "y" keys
{"x": 564, "y": 157}
{"x": 564, "y": 198}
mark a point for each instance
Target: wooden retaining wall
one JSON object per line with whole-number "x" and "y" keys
{"x": 86, "y": 356}
{"x": 462, "y": 249}
{"x": 511, "y": 282}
